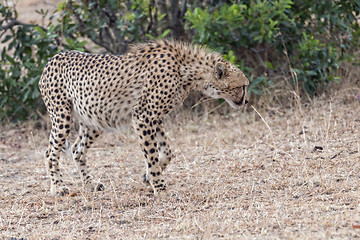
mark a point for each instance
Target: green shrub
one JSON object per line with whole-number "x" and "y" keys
{"x": 239, "y": 25}
{"x": 326, "y": 33}
{"x": 317, "y": 62}
{"x": 110, "y": 25}
{"x": 253, "y": 34}
{"x": 242, "y": 26}
{"x": 317, "y": 36}
{"x": 22, "y": 62}
{"x": 27, "y": 50}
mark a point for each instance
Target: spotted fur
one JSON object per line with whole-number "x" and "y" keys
{"x": 145, "y": 84}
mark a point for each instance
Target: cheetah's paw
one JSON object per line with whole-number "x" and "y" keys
{"x": 60, "y": 191}
{"x": 95, "y": 187}
{"x": 146, "y": 180}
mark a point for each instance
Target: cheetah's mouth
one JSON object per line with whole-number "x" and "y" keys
{"x": 239, "y": 103}
{"x": 242, "y": 100}
{"x": 234, "y": 104}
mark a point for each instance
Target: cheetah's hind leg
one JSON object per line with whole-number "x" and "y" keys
{"x": 59, "y": 132}
{"x": 86, "y": 137}
{"x": 165, "y": 154}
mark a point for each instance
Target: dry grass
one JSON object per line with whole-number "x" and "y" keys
{"x": 233, "y": 177}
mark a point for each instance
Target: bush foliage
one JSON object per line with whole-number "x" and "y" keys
{"x": 317, "y": 36}
{"x": 303, "y": 40}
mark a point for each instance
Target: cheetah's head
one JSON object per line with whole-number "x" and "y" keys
{"x": 228, "y": 82}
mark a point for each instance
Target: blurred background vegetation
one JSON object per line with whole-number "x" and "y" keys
{"x": 300, "y": 44}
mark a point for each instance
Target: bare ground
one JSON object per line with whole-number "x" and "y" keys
{"x": 295, "y": 174}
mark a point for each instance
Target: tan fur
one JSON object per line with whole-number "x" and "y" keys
{"x": 146, "y": 83}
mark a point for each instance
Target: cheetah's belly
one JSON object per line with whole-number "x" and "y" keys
{"x": 106, "y": 110}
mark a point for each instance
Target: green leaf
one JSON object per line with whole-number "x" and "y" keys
{"x": 7, "y": 38}
{"x": 258, "y": 80}
{"x": 165, "y": 33}
{"x": 311, "y": 73}
{"x": 150, "y": 36}
{"x": 10, "y": 59}
{"x": 41, "y": 31}
{"x": 269, "y": 65}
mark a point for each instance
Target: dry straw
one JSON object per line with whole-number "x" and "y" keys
{"x": 237, "y": 177}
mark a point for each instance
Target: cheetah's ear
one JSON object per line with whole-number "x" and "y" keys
{"x": 220, "y": 70}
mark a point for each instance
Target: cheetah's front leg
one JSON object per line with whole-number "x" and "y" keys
{"x": 146, "y": 131}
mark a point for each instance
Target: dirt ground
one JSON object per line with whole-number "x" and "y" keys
{"x": 292, "y": 175}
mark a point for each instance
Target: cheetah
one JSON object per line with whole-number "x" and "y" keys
{"x": 103, "y": 91}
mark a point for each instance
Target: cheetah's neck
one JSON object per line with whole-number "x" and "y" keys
{"x": 197, "y": 71}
